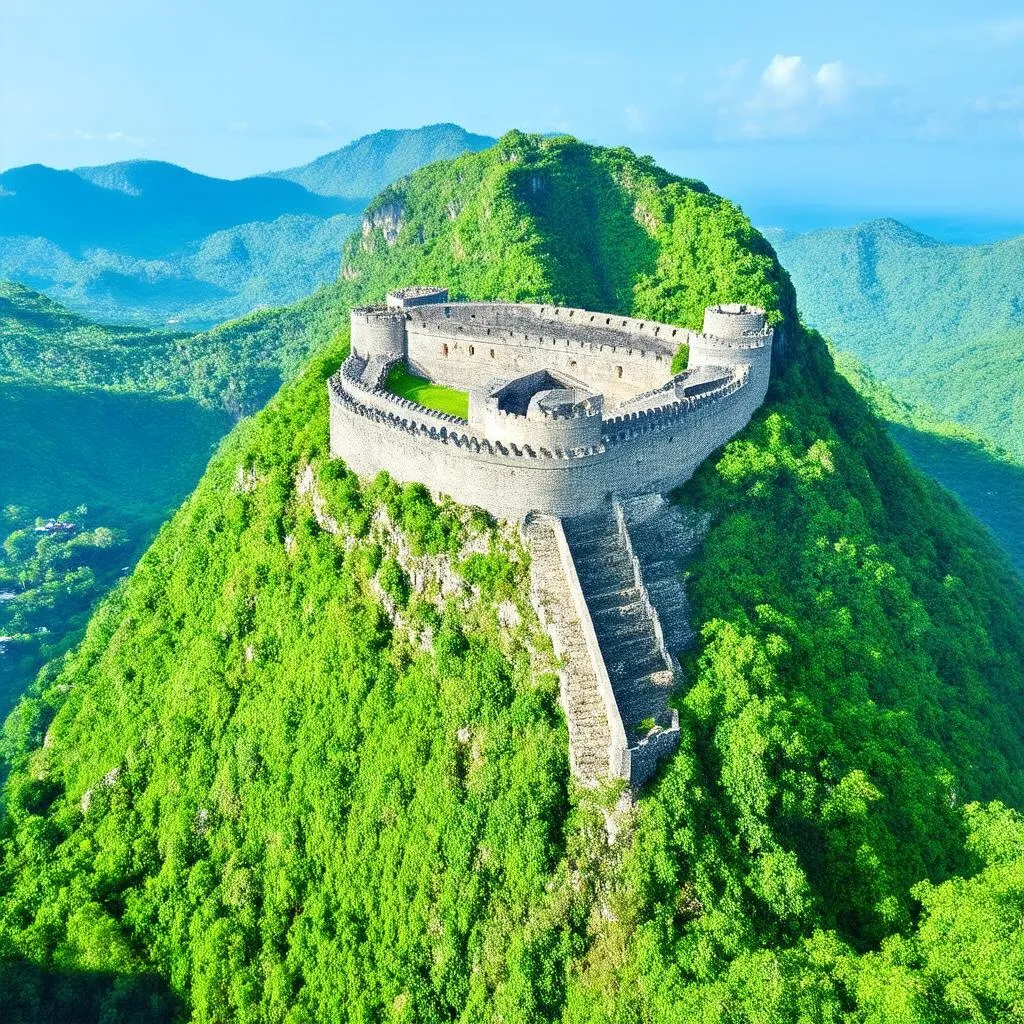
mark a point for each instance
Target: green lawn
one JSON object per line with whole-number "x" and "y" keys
{"x": 424, "y": 392}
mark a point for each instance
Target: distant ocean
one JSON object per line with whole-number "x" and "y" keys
{"x": 951, "y": 229}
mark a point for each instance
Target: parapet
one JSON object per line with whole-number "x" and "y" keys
{"x": 734, "y": 320}
{"x": 416, "y": 295}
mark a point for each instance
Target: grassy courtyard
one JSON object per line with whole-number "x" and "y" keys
{"x": 426, "y": 393}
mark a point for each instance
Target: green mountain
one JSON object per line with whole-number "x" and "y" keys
{"x": 235, "y": 367}
{"x": 371, "y": 163}
{"x": 942, "y": 325}
{"x": 288, "y": 776}
{"x": 156, "y": 244}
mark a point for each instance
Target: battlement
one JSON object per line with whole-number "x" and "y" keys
{"x": 734, "y": 320}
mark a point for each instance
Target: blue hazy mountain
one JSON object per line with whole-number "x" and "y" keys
{"x": 371, "y": 163}
{"x": 143, "y": 208}
{"x": 149, "y": 242}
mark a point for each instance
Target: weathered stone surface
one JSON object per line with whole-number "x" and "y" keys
{"x": 576, "y": 427}
{"x": 639, "y": 430}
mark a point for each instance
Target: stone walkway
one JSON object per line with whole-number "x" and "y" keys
{"x": 627, "y": 559}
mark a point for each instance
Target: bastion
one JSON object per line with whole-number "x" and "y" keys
{"x": 576, "y": 427}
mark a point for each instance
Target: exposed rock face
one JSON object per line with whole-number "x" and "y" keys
{"x": 386, "y": 218}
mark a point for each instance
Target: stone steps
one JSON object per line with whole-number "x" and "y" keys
{"x": 640, "y": 679}
{"x": 619, "y": 599}
{"x": 586, "y": 718}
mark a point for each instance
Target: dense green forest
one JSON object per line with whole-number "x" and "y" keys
{"x": 942, "y": 325}
{"x": 235, "y": 367}
{"x": 308, "y": 764}
{"x": 51, "y": 573}
{"x": 155, "y": 244}
{"x": 129, "y": 459}
{"x": 986, "y": 478}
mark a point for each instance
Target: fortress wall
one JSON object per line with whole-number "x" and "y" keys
{"x": 457, "y": 359}
{"x": 663, "y": 451}
{"x": 755, "y": 353}
{"x": 563, "y": 321}
{"x": 378, "y": 332}
{"x": 653, "y": 451}
{"x": 734, "y": 321}
{"x": 508, "y": 487}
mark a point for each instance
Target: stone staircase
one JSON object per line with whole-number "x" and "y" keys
{"x": 607, "y": 587}
{"x": 641, "y": 676}
{"x": 585, "y": 712}
{"x": 664, "y": 539}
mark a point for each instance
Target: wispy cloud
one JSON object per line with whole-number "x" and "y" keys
{"x": 636, "y": 119}
{"x": 84, "y": 136}
{"x": 81, "y": 135}
{"x": 791, "y": 97}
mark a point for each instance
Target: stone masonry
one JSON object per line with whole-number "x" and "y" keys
{"x": 576, "y": 427}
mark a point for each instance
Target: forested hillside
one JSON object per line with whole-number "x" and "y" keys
{"x": 235, "y": 367}
{"x": 308, "y": 763}
{"x": 156, "y": 244}
{"x": 943, "y": 325}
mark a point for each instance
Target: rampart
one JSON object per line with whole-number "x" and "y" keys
{"x": 617, "y": 422}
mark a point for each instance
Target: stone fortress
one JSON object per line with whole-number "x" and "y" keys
{"x": 577, "y": 427}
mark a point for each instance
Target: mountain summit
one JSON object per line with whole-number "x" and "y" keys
{"x": 309, "y": 762}
{"x": 364, "y": 167}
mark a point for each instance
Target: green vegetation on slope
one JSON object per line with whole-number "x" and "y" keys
{"x": 130, "y": 459}
{"x": 236, "y": 366}
{"x": 308, "y": 765}
{"x": 985, "y": 477}
{"x": 51, "y": 574}
{"x": 426, "y": 393}
{"x": 942, "y": 325}
{"x": 858, "y": 680}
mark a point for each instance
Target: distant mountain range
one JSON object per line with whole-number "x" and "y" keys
{"x": 367, "y": 166}
{"x": 151, "y": 243}
{"x": 942, "y": 325}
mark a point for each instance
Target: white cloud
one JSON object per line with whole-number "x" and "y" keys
{"x": 792, "y": 98}
{"x": 1010, "y": 99}
{"x": 84, "y": 136}
{"x": 832, "y": 81}
{"x": 735, "y": 70}
{"x": 784, "y": 75}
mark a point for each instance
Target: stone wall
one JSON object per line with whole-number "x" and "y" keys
{"x": 449, "y": 354}
{"x": 640, "y": 452}
{"x": 657, "y": 431}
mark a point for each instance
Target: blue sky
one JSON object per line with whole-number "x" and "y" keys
{"x": 910, "y": 109}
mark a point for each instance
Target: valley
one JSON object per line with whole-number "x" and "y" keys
{"x": 100, "y": 460}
